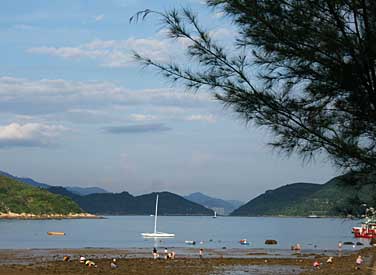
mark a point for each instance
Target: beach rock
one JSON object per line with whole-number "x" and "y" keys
{"x": 359, "y": 243}
{"x": 373, "y": 242}
{"x": 348, "y": 243}
{"x": 271, "y": 242}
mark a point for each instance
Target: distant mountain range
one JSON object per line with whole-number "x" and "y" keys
{"x": 127, "y": 204}
{"x": 222, "y": 207}
{"x": 73, "y": 189}
{"x": 26, "y": 180}
{"x": 341, "y": 195}
{"x": 98, "y": 201}
{"x": 83, "y": 191}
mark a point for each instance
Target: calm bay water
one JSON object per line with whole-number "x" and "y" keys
{"x": 124, "y": 232}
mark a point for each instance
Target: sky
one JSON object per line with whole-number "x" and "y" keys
{"x": 77, "y": 110}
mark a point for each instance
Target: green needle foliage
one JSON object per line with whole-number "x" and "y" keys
{"x": 305, "y": 69}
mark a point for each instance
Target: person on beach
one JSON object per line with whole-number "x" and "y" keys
{"x": 113, "y": 264}
{"x": 358, "y": 262}
{"x": 329, "y": 260}
{"x": 201, "y": 253}
{"x": 166, "y": 252}
{"x": 82, "y": 259}
{"x": 340, "y": 248}
{"x": 155, "y": 253}
{"x": 316, "y": 264}
{"x": 173, "y": 255}
{"x": 66, "y": 258}
{"x": 90, "y": 263}
{"x": 296, "y": 248}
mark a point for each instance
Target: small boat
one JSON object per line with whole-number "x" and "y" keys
{"x": 313, "y": 216}
{"x": 55, "y": 233}
{"x": 190, "y": 242}
{"x": 244, "y": 242}
{"x": 366, "y": 230}
{"x": 368, "y": 227}
{"x": 157, "y": 234}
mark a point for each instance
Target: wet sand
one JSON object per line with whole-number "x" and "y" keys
{"x": 215, "y": 262}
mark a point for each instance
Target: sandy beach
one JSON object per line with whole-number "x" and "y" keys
{"x": 215, "y": 262}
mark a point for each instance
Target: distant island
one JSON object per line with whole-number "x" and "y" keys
{"x": 22, "y": 201}
{"x": 338, "y": 197}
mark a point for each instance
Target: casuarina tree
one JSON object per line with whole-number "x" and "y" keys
{"x": 305, "y": 69}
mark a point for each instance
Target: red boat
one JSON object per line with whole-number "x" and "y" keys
{"x": 367, "y": 230}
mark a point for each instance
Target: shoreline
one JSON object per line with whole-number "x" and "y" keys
{"x": 29, "y": 216}
{"x": 140, "y": 261}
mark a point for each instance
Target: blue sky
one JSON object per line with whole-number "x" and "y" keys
{"x": 75, "y": 109}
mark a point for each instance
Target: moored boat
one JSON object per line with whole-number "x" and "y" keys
{"x": 244, "y": 242}
{"x": 157, "y": 234}
{"x": 367, "y": 228}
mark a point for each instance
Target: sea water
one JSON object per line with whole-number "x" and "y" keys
{"x": 220, "y": 232}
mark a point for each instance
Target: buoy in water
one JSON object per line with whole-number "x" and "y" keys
{"x": 55, "y": 233}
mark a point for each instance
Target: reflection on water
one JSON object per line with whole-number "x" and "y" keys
{"x": 223, "y": 232}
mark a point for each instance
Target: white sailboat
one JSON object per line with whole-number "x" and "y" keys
{"x": 156, "y": 234}
{"x": 215, "y": 215}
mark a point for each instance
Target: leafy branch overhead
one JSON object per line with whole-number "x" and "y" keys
{"x": 305, "y": 69}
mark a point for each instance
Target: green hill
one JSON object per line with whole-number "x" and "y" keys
{"x": 127, "y": 204}
{"x": 18, "y": 197}
{"x": 339, "y": 196}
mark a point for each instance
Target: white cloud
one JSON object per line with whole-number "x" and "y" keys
{"x": 206, "y": 118}
{"x": 29, "y": 134}
{"x": 119, "y": 53}
{"x": 142, "y": 117}
{"x": 219, "y": 14}
{"x": 27, "y": 97}
{"x": 23, "y": 27}
{"x": 202, "y": 2}
{"x": 99, "y": 17}
{"x": 223, "y": 34}
{"x": 112, "y": 53}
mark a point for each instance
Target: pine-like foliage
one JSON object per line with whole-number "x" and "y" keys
{"x": 314, "y": 62}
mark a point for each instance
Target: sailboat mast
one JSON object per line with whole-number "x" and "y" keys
{"x": 156, "y": 215}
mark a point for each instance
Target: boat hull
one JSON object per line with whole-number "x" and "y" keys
{"x": 244, "y": 242}
{"x": 366, "y": 233}
{"x": 157, "y": 235}
{"x": 367, "y": 230}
